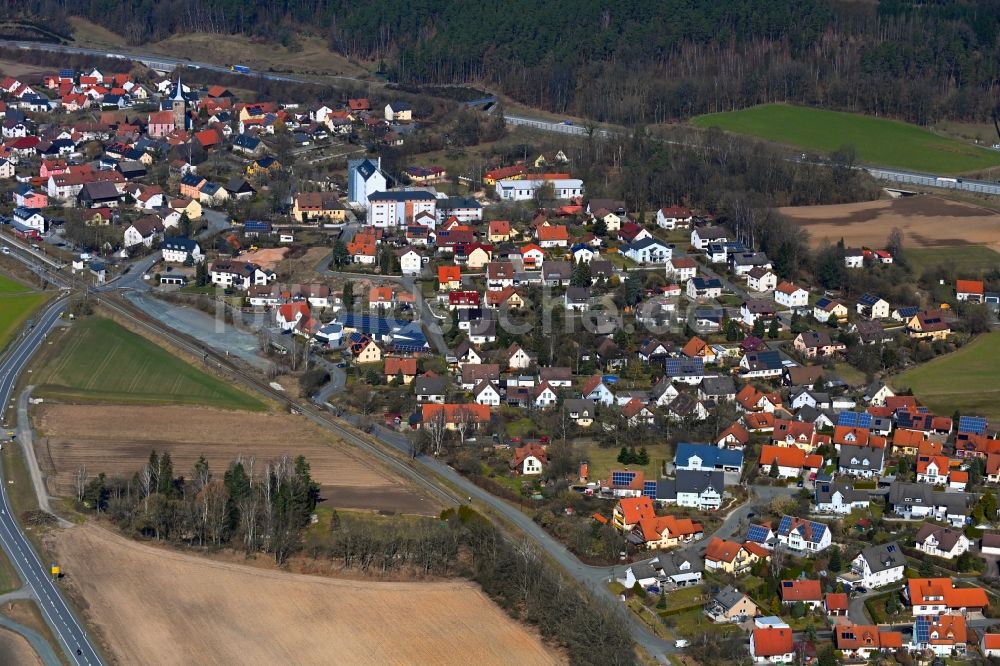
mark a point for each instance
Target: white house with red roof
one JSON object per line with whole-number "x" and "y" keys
{"x": 290, "y": 315}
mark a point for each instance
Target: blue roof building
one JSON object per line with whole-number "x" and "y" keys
{"x": 707, "y": 458}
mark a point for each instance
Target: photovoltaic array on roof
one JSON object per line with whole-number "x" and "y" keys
{"x": 922, "y": 630}
{"x": 649, "y": 489}
{"x": 757, "y": 534}
{"x": 785, "y": 526}
{"x": 622, "y": 478}
{"x": 973, "y": 424}
{"x": 817, "y": 530}
{"x": 855, "y": 419}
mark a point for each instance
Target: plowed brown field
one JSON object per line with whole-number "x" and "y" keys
{"x": 157, "y": 606}
{"x": 118, "y": 440}
{"x": 925, "y": 221}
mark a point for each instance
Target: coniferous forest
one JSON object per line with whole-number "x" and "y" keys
{"x": 632, "y": 61}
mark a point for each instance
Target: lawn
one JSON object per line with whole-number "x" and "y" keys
{"x": 600, "y": 461}
{"x": 16, "y": 305}
{"x": 876, "y": 140}
{"x": 967, "y": 260}
{"x": 964, "y": 380}
{"x": 100, "y": 361}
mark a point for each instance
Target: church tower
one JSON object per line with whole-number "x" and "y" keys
{"x": 179, "y": 106}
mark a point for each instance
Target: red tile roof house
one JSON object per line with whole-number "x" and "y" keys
{"x": 809, "y": 592}
{"x": 969, "y": 290}
{"x": 772, "y": 645}
{"x": 529, "y": 459}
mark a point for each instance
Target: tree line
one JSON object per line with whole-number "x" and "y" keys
{"x": 633, "y": 62}
{"x": 269, "y": 508}
{"x": 256, "y": 508}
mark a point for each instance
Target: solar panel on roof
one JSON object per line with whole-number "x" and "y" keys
{"x": 649, "y": 489}
{"x": 973, "y": 424}
{"x": 817, "y": 530}
{"x": 854, "y": 419}
{"x": 622, "y": 478}
{"x": 757, "y": 534}
{"x": 785, "y": 526}
{"x": 922, "y": 630}
{"x": 786, "y": 583}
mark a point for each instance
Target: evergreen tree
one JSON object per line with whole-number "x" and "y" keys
{"x": 835, "y": 564}
{"x": 773, "y": 472}
{"x": 341, "y": 257}
{"x": 623, "y": 456}
{"x": 165, "y": 479}
{"x": 774, "y": 329}
{"x": 643, "y": 457}
{"x": 758, "y": 328}
{"x": 348, "y": 296}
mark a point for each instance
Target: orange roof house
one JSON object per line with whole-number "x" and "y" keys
{"x": 770, "y": 642}
{"x": 697, "y": 348}
{"x": 928, "y": 595}
{"x": 973, "y": 287}
{"x": 836, "y": 603}
{"x": 396, "y": 365}
{"x": 449, "y": 275}
{"x": 801, "y": 590}
{"x": 453, "y": 413}
{"x": 659, "y": 528}
{"x": 721, "y": 550}
{"x": 633, "y": 509}
{"x": 552, "y": 234}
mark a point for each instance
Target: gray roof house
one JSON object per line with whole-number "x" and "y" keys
{"x": 692, "y": 488}
{"x": 862, "y": 461}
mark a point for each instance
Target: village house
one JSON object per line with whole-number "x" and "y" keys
{"x": 813, "y": 344}
{"x": 772, "y": 645}
{"x": 791, "y": 296}
{"x": 807, "y": 592}
{"x": 876, "y": 566}
{"x": 934, "y": 596}
{"x": 804, "y": 536}
{"x": 731, "y": 605}
{"x": 941, "y": 541}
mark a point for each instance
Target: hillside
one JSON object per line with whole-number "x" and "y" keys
{"x": 634, "y": 62}
{"x": 875, "y": 140}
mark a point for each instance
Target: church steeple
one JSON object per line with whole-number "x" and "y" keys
{"x": 179, "y": 106}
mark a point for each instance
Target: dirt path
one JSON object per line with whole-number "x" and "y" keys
{"x": 158, "y": 606}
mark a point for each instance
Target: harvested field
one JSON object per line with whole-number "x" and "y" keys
{"x": 926, "y": 222}
{"x": 204, "y": 611}
{"x": 118, "y": 439}
{"x": 14, "y": 649}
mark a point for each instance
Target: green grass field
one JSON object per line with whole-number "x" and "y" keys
{"x": 101, "y": 361}
{"x": 968, "y": 260}
{"x": 16, "y": 305}
{"x": 964, "y": 380}
{"x": 876, "y": 140}
{"x": 600, "y": 461}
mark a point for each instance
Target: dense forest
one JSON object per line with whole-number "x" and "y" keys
{"x": 632, "y": 61}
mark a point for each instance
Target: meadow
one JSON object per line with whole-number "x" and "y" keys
{"x": 100, "y": 361}
{"x": 17, "y": 303}
{"x": 964, "y": 380}
{"x": 876, "y": 140}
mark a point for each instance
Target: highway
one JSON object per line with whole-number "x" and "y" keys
{"x": 32, "y": 571}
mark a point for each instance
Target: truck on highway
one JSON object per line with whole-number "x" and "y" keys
{"x": 947, "y": 180}
{"x": 239, "y": 69}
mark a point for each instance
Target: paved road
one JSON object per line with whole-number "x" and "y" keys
{"x": 558, "y": 127}
{"x": 168, "y": 63}
{"x": 30, "y": 568}
{"x": 430, "y": 323}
